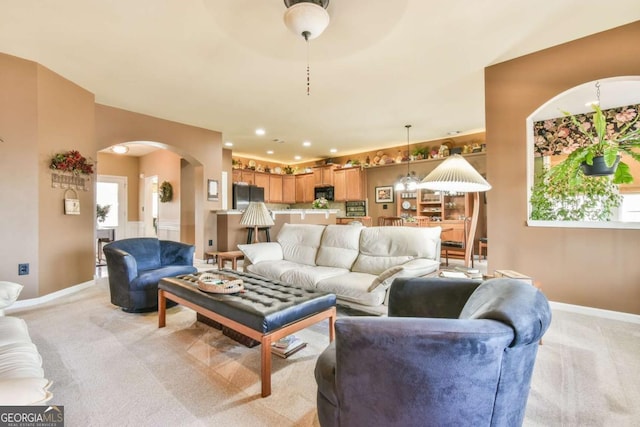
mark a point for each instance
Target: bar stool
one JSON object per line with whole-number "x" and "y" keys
{"x": 250, "y": 234}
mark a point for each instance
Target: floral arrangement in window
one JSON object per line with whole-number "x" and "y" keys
{"x": 71, "y": 161}
{"x": 320, "y": 203}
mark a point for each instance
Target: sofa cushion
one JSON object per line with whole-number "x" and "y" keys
{"x": 339, "y": 247}
{"x": 272, "y": 269}
{"x": 307, "y": 277}
{"x": 260, "y": 252}
{"x": 150, "y": 278}
{"x": 353, "y": 287}
{"x": 9, "y": 292}
{"x": 24, "y": 391}
{"x": 300, "y": 242}
{"x": 385, "y": 247}
{"x": 13, "y": 330}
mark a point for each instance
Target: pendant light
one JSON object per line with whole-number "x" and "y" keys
{"x": 307, "y": 18}
{"x": 409, "y": 182}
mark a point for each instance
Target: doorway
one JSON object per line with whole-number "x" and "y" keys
{"x": 150, "y": 206}
{"x": 111, "y": 195}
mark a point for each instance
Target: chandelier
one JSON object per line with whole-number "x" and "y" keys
{"x": 409, "y": 182}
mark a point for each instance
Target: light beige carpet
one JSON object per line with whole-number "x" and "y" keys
{"x": 113, "y": 368}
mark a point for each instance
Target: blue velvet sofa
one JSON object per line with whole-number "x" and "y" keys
{"x": 452, "y": 352}
{"x": 136, "y": 266}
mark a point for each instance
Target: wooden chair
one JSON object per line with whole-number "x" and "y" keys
{"x": 423, "y": 221}
{"x": 393, "y": 221}
{"x": 482, "y": 247}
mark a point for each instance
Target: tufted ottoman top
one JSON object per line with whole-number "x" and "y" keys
{"x": 265, "y": 305}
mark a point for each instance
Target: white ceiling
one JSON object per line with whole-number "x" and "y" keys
{"x": 232, "y": 66}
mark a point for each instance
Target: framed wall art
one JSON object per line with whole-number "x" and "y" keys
{"x": 384, "y": 194}
{"x": 212, "y": 190}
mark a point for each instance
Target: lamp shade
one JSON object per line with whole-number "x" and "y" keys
{"x": 308, "y": 18}
{"x": 256, "y": 215}
{"x": 455, "y": 174}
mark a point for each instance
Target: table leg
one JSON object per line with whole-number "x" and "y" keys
{"x": 265, "y": 365}
{"x": 162, "y": 309}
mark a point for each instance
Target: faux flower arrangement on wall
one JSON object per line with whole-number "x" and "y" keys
{"x": 71, "y": 161}
{"x": 70, "y": 170}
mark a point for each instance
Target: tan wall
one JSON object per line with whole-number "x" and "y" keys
{"x": 202, "y": 148}
{"x": 20, "y": 162}
{"x": 128, "y": 166}
{"x": 590, "y": 267}
{"x": 166, "y": 166}
{"x": 42, "y": 114}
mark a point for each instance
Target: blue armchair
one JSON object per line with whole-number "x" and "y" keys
{"x": 451, "y": 352}
{"x": 136, "y": 266}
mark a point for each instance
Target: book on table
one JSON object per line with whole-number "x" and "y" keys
{"x": 287, "y": 346}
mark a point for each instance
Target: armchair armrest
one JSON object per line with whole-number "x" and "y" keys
{"x": 429, "y": 296}
{"x": 176, "y": 253}
{"x": 122, "y": 266}
{"x": 428, "y": 364}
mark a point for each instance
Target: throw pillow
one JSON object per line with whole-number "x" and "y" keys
{"x": 259, "y": 252}
{"x": 383, "y": 278}
{"x": 9, "y": 292}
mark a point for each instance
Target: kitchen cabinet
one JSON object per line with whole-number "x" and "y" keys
{"x": 304, "y": 188}
{"x": 275, "y": 189}
{"x": 323, "y": 175}
{"x": 288, "y": 189}
{"x": 248, "y": 176}
{"x": 262, "y": 180}
{"x": 349, "y": 184}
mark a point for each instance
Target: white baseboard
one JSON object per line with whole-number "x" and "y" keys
{"x": 596, "y": 312}
{"x": 588, "y": 311}
{"x": 32, "y": 302}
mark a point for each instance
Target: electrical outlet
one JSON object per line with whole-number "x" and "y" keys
{"x": 210, "y": 242}
{"x": 23, "y": 269}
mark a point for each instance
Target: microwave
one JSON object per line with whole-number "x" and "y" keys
{"x": 326, "y": 192}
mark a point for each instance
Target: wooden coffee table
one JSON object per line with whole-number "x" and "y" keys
{"x": 266, "y": 311}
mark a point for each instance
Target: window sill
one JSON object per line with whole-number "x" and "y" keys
{"x": 584, "y": 224}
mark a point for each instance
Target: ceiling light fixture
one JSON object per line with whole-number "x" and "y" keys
{"x": 120, "y": 149}
{"x": 297, "y": 157}
{"x": 306, "y": 144}
{"x": 409, "y": 182}
{"x": 260, "y": 131}
{"x": 307, "y": 18}
{"x": 333, "y": 150}
{"x": 228, "y": 144}
{"x": 269, "y": 151}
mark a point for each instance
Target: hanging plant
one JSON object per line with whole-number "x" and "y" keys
{"x": 554, "y": 197}
{"x": 166, "y": 192}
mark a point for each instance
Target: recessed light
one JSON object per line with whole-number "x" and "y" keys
{"x": 453, "y": 132}
{"x": 260, "y": 131}
{"x": 333, "y": 150}
{"x": 228, "y": 144}
{"x": 269, "y": 151}
{"x": 120, "y": 149}
{"x": 297, "y": 157}
{"x": 306, "y": 144}
{"x": 592, "y": 103}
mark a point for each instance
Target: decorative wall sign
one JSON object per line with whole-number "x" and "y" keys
{"x": 71, "y": 204}
{"x": 69, "y": 180}
{"x": 212, "y": 190}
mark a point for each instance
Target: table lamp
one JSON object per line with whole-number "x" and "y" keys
{"x": 456, "y": 174}
{"x": 257, "y": 215}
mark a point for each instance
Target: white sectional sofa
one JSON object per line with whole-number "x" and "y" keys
{"x": 356, "y": 263}
{"x": 22, "y": 379}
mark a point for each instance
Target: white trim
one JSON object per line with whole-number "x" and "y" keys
{"x": 596, "y": 312}
{"x": 32, "y": 302}
{"x": 584, "y": 224}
